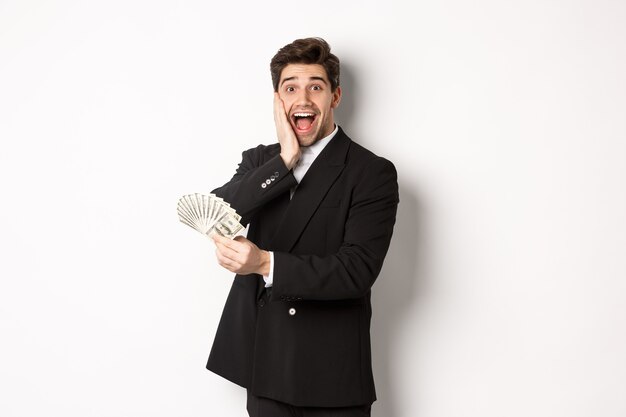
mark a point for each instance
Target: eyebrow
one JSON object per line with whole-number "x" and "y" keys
{"x": 314, "y": 78}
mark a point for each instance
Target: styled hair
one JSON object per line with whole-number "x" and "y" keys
{"x": 306, "y": 51}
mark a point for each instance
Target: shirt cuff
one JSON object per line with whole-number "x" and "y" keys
{"x": 269, "y": 279}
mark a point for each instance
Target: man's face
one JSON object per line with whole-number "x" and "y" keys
{"x": 309, "y": 102}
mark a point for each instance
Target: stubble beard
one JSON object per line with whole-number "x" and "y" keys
{"x": 306, "y": 142}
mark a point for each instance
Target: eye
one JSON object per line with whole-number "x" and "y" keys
{"x": 316, "y": 87}
{"x": 290, "y": 89}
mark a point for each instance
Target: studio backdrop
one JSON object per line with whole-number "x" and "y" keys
{"x": 503, "y": 290}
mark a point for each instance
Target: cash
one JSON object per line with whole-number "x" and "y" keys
{"x": 209, "y": 214}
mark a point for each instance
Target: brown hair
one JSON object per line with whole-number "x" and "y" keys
{"x": 306, "y": 51}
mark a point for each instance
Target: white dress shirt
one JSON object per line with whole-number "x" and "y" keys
{"x": 309, "y": 153}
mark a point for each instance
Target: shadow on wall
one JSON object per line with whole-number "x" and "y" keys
{"x": 395, "y": 290}
{"x": 347, "y": 107}
{"x": 398, "y": 285}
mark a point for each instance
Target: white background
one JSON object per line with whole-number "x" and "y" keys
{"x": 504, "y": 290}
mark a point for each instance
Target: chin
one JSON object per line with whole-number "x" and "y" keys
{"x": 307, "y": 140}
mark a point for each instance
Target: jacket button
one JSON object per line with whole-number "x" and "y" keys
{"x": 268, "y": 182}
{"x": 292, "y": 311}
{"x": 263, "y": 185}
{"x": 276, "y": 174}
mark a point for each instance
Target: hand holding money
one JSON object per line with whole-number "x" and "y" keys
{"x": 241, "y": 256}
{"x": 209, "y": 215}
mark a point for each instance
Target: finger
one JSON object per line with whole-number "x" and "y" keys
{"x": 277, "y": 107}
{"x": 226, "y": 262}
{"x": 280, "y": 114}
{"x": 230, "y": 243}
{"x": 218, "y": 238}
{"x": 278, "y": 102}
{"x": 244, "y": 247}
{"x": 228, "y": 253}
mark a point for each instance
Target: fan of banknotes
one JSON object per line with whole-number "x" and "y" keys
{"x": 209, "y": 214}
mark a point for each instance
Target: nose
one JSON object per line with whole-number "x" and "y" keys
{"x": 303, "y": 98}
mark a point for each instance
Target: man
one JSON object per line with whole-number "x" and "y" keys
{"x": 295, "y": 328}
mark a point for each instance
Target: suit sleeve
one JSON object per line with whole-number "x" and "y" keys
{"x": 352, "y": 270}
{"x": 259, "y": 178}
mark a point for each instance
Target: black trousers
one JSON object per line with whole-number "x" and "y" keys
{"x": 265, "y": 407}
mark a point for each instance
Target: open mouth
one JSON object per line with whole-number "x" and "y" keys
{"x": 303, "y": 121}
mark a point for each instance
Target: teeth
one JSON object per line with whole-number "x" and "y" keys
{"x": 303, "y": 114}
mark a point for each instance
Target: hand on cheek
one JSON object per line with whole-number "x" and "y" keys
{"x": 289, "y": 146}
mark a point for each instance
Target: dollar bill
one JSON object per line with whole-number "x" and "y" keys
{"x": 209, "y": 214}
{"x": 227, "y": 226}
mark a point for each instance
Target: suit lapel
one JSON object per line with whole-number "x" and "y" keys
{"x": 311, "y": 191}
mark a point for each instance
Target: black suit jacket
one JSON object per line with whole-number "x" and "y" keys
{"x": 308, "y": 343}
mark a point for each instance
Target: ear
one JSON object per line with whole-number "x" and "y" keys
{"x": 336, "y": 98}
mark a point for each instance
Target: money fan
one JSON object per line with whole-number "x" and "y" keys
{"x": 209, "y": 214}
